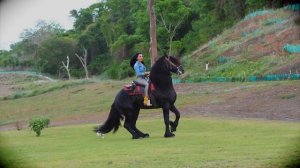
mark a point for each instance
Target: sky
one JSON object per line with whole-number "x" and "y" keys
{"x": 18, "y": 15}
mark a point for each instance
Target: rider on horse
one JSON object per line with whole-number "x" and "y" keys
{"x": 127, "y": 106}
{"x": 139, "y": 67}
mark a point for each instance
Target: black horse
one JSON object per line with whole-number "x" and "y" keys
{"x": 164, "y": 96}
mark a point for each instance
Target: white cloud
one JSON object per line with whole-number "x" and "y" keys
{"x": 17, "y": 15}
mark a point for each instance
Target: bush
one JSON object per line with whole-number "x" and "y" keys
{"x": 37, "y": 124}
{"x": 120, "y": 71}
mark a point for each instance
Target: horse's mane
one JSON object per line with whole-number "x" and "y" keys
{"x": 160, "y": 66}
{"x": 172, "y": 59}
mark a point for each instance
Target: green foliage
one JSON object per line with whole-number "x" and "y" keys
{"x": 38, "y": 124}
{"x": 288, "y": 96}
{"x": 55, "y": 50}
{"x": 8, "y": 60}
{"x": 100, "y": 64}
{"x": 256, "y": 4}
{"x": 123, "y": 43}
{"x": 170, "y": 15}
{"x": 120, "y": 71}
{"x": 117, "y": 29}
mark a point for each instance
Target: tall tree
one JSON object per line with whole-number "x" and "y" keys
{"x": 53, "y": 51}
{"x": 172, "y": 14}
{"x": 33, "y": 39}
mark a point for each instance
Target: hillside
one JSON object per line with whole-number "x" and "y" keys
{"x": 253, "y": 47}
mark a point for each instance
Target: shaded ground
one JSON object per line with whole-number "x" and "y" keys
{"x": 261, "y": 100}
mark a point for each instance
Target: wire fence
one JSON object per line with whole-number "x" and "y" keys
{"x": 293, "y": 7}
{"x": 29, "y": 73}
{"x": 275, "y": 77}
{"x": 292, "y": 48}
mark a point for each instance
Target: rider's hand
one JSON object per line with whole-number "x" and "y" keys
{"x": 147, "y": 73}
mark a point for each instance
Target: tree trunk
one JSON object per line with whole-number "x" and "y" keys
{"x": 153, "y": 41}
{"x": 83, "y": 61}
{"x": 67, "y": 67}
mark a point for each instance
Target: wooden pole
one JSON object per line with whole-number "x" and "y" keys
{"x": 153, "y": 41}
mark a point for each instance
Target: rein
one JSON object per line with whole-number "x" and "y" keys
{"x": 172, "y": 64}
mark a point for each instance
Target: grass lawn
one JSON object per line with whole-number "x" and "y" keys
{"x": 199, "y": 142}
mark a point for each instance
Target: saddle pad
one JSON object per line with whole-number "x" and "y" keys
{"x": 134, "y": 89}
{"x": 137, "y": 89}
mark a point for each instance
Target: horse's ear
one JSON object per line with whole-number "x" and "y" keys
{"x": 167, "y": 57}
{"x": 165, "y": 54}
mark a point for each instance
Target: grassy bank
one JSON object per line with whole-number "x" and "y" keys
{"x": 200, "y": 142}
{"x": 95, "y": 98}
{"x": 64, "y": 98}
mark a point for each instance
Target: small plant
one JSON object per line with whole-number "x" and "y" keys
{"x": 18, "y": 125}
{"x": 288, "y": 96}
{"x": 37, "y": 124}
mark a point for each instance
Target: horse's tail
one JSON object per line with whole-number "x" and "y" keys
{"x": 112, "y": 123}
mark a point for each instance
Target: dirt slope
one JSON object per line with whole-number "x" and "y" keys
{"x": 269, "y": 102}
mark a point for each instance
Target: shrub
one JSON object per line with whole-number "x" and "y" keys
{"x": 37, "y": 124}
{"x": 120, "y": 71}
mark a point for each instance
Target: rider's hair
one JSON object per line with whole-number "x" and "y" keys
{"x": 134, "y": 59}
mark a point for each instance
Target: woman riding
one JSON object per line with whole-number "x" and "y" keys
{"x": 139, "y": 67}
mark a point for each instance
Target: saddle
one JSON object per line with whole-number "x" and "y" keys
{"x": 137, "y": 89}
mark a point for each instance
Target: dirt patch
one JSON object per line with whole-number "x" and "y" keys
{"x": 265, "y": 102}
{"x": 5, "y": 90}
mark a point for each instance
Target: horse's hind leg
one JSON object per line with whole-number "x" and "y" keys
{"x": 177, "y": 115}
{"x": 129, "y": 125}
{"x": 134, "y": 119}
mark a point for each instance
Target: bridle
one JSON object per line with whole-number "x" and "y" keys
{"x": 179, "y": 68}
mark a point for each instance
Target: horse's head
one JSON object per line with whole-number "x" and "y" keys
{"x": 174, "y": 65}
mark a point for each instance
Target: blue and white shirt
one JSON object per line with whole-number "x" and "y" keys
{"x": 139, "y": 69}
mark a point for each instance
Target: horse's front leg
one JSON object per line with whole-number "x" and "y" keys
{"x": 177, "y": 115}
{"x": 168, "y": 133}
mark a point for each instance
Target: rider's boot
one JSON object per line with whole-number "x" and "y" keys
{"x": 147, "y": 101}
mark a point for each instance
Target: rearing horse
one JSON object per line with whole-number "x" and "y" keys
{"x": 164, "y": 96}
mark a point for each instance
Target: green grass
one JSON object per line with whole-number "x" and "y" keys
{"x": 34, "y": 88}
{"x": 199, "y": 142}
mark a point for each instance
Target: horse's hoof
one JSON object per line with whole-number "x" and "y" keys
{"x": 169, "y": 135}
{"x": 146, "y": 136}
{"x": 137, "y": 137}
{"x": 172, "y": 129}
{"x": 141, "y": 136}
{"x": 172, "y": 126}
{"x": 100, "y": 134}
